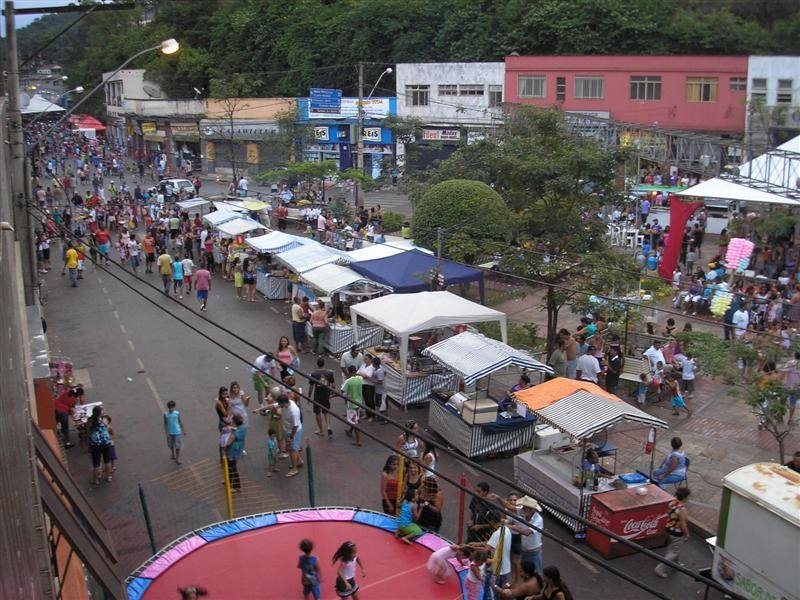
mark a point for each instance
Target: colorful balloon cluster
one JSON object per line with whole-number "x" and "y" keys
{"x": 738, "y": 255}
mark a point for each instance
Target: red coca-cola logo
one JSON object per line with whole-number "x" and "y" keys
{"x": 634, "y": 527}
{"x": 598, "y": 517}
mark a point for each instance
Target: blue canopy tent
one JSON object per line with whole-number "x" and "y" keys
{"x": 410, "y": 271}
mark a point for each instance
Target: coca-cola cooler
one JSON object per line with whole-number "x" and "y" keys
{"x": 639, "y": 516}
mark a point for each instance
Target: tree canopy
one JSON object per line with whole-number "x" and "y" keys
{"x": 282, "y": 49}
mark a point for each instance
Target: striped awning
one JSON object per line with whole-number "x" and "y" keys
{"x": 582, "y": 414}
{"x": 472, "y": 356}
{"x": 276, "y": 241}
{"x": 309, "y": 256}
{"x": 218, "y": 217}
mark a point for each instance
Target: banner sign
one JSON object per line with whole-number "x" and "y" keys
{"x": 371, "y": 134}
{"x": 441, "y": 135}
{"x": 374, "y": 108}
{"x": 325, "y": 101}
{"x": 321, "y": 134}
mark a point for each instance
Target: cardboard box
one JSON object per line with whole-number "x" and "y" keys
{"x": 479, "y": 412}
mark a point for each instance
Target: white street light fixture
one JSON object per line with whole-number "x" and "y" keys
{"x": 387, "y": 71}
{"x": 170, "y": 46}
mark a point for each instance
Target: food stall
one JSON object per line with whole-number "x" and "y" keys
{"x": 274, "y": 287}
{"x": 334, "y": 281}
{"x": 759, "y": 502}
{"x": 308, "y": 256}
{"x": 472, "y": 421}
{"x": 558, "y": 474}
{"x": 410, "y": 376}
{"x": 218, "y": 217}
{"x": 239, "y": 226}
{"x": 195, "y": 204}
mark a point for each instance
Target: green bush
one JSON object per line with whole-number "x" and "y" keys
{"x": 468, "y": 208}
{"x": 392, "y": 222}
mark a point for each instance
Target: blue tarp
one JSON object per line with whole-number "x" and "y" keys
{"x": 410, "y": 272}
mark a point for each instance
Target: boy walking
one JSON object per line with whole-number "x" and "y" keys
{"x": 173, "y": 427}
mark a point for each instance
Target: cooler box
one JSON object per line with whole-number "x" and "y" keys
{"x": 640, "y": 518}
{"x": 546, "y": 437}
{"x": 479, "y": 412}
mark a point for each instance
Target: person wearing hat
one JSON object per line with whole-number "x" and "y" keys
{"x": 530, "y": 526}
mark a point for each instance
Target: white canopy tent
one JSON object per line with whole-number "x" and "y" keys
{"x": 371, "y": 252}
{"x": 239, "y": 226}
{"x": 193, "y": 203}
{"x": 276, "y": 241}
{"x": 331, "y": 278}
{"x": 309, "y": 256}
{"x": 218, "y": 217}
{"x": 472, "y": 356}
{"x": 38, "y": 104}
{"x": 729, "y": 190}
{"x": 230, "y": 205}
{"x": 405, "y": 314}
{"x": 402, "y": 244}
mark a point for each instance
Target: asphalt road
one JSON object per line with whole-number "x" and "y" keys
{"x": 135, "y": 357}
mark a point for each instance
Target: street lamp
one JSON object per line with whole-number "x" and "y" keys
{"x": 387, "y": 71}
{"x": 360, "y": 124}
{"x": 77, "y": 90}
{"x": 169, "y": 46}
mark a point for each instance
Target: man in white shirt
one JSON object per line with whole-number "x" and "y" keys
{"x": 687, "y": 374}
{"x": 321, "y": 221}
{"x": 243, "y": 183}
{"x": 530, "y": 528}
{"x": 655, "y": 355}
{"x": 501, "y": 538}
{"x": 262, "y": 366}
{"x": 354, "y": 358}
{"x": 587, "y": 367}
{"x": 740, "y": 321}
{"x": 379, "y": 379}
{"x": 293, "y": 430}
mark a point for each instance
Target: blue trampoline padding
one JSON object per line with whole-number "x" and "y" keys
{"x": 137, "y": 587}
{"x": 376, "y": 520}
{"x": 238, "y": 526}
{"x": 462, "y": 576}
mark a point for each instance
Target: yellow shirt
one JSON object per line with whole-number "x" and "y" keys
{"x": 165, "y": 264}
{"x": 71, "y": 258}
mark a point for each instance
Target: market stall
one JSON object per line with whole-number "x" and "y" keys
{"x": 194, "y": 204}
{"x": 412, "y": 271}
{"x": 341, "y": 287}
{"x": 410, "y": 376}
{"x": 239, "y": 226}
{"x": 372, "y": 252}
{"x": 273, "y": 284}
{"x": 218, "y": 217}
{"x": 565, "y": 475}
{"x": 472, "y": 421}
{"x": 308, "y": 256}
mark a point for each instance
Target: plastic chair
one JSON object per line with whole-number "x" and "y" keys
{"x": 685, "y": 481}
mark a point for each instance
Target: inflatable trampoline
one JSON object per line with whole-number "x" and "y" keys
{"x": 256, "y": 557}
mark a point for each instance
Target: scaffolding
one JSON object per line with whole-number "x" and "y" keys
{"x": 776, "y": 171}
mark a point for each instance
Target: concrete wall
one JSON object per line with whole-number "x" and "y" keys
{"x": 449, "y": 109}
{"x": 672, "y": 110}
{"x": 249, "y": 108}
{"x": 127, "y": 84}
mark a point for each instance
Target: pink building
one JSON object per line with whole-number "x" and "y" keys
{"x": 696, "y": 93}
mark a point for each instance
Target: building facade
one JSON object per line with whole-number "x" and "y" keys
{"x": 692, "y": 93}
{"x": 450, "y": 104}
{"x": 773, "y": 99}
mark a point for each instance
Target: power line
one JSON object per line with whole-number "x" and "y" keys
{"x": 396, "y": 424}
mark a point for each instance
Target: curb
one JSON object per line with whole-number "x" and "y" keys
{"x": 700, "y": 529}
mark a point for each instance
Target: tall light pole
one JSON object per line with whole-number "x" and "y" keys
{"x": 360, "y": 118}
{"x": 77, "y": 90}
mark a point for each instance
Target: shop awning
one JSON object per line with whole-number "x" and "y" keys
{"x": 371, "y": 253}
{"x": 218, "y": 217}
{"x": 309, "y": 256}
{"x": 86, "y": 122}
{"x": 331, "y": 278}
{"x": 472, "y": 356}
{"x": 545, "y": 394}
{"x": 239, "y": 226}
{"x": 230, "y": 205}
{"x": 276, "y": 241}
{"x": 411, "y": 272}
{"x": 193, "y": 203}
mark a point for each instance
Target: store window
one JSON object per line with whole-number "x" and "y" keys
{"x": 589, "y": 88}
{"x": 418, "y": 95}
{"x": 531, "y": 87}
{"x": 645, "y": 87}
{"x": 701, "y": 89}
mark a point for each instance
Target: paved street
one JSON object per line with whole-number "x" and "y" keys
{"x": 135, "y": 358}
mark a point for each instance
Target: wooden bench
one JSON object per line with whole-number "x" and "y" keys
{"x": 633, "y": 368}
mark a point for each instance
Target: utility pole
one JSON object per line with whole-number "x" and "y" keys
{"x": 360, "y": 128}
{"x": 20, "y": 182}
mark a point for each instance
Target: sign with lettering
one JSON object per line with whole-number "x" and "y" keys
{"x": 321, "y": 134}
{"x": 371, "y": 134}
{"x": 322, "y": 100}
{"x": 441, "y": 135}
{"x": 148, "y": 127}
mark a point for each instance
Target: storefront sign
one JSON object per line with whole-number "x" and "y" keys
{"x": 148, "y": 127}
{"x": 321, "y": 134}
{"x": 741, "y": 579}
{"x": 185, "y": 129}
{"x": 373, "y": 108}
{"x": 252, "y": 154}
{"x": 326, "y": 101}
{"x": 441, "y": 135}
{"x": 211, "y": 152}
{"x": 371, "y": 134}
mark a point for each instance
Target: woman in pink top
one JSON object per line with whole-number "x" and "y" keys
{"x": 286, "y": 354}
{"x": 319, "y": 325}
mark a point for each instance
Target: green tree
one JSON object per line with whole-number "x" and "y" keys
{"x": 470, "y": 210}
{"x": 764, "y": 393}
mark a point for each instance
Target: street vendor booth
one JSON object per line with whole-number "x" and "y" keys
{"x": 273, "y": 286}
{"x": 195, "y": 204}
{"x": 409, "y": 318}
{"x": 472, "y": 420}
{"x": 218, "y": 217}
{"x": 373, "y": 252}
{"x": 582, "y": 464}
{"x": 340, "y": 287}
{"x": 308, "y": 256}
{"x": 239, "y": 226}
{"x": 412, "y": 271}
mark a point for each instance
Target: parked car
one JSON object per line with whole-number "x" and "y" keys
{"x": 178, "y": 185}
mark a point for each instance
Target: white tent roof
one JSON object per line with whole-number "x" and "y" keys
{"x": 193, "y": 203}
{"x": 331, "y": 278}
{"x": 472, "y": 356}
{"x": 410, "y": 313}
{"x": 729, "y": 190}
{"x": 276, "y": 241}
{"x": 370, "y": 253}
{"x": 218, "y": 217}
{"x": 239, "y": 226}
{"x": 406, "y": 245}
{"x": 37, "y": 104}
{"x": 582, "y": 414}
{"x": 230, "y": 205}
{"x": 309, "y": 256}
